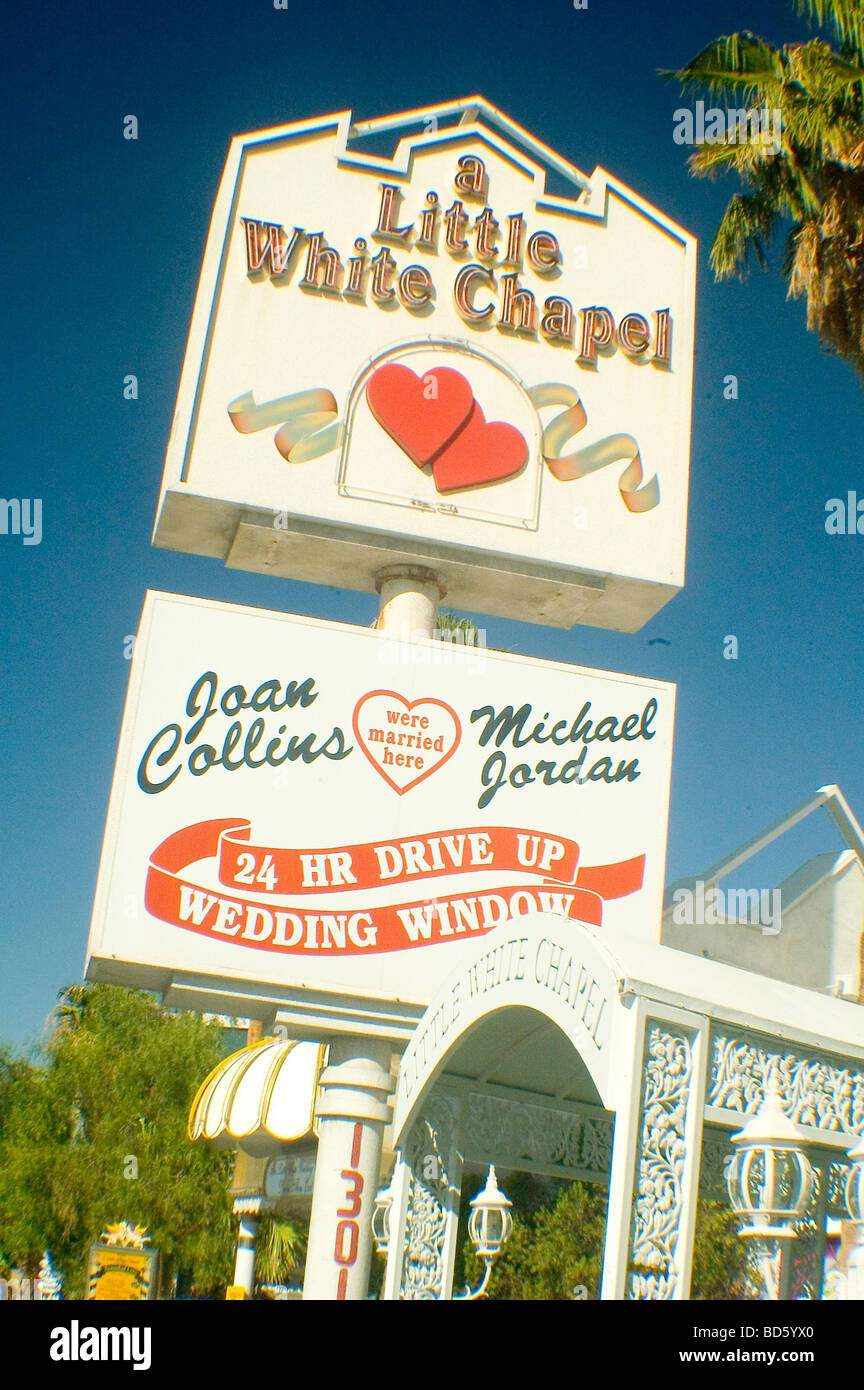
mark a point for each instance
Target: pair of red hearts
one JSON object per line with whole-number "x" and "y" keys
{"x": 436, "y": 420}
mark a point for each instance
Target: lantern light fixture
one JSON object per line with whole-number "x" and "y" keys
{"x": 770, "y": 1181}
{"x": 381, "y": 1219}
{"x": 770, "y": 1178}
{"x": 489, "y": 1227}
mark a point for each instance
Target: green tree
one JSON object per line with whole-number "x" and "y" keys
{"x": 94, "y": 1131}
{"x": 554, "y": 1252}
{"x": 814, "y": 182}
{"x": 720, "y": 1257}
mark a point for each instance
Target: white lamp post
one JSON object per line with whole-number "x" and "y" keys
{"x": 489, "y": 1227}
{"x": 770, "y": 1181}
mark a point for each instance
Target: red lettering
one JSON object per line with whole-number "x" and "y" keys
{"x": 340, "y": 1255}
{"x": 353, "y": 1195}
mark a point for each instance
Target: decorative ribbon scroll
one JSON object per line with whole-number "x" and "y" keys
{"x": 308, "y": 428}
{"x": 381, "y": 862}
{"x": 269, "y": 922}
{"x": 307, "y": 422}
{"x": 637, "y": 495}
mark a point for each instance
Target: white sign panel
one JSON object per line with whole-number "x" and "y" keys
{"x": 431, "y": 356}
{"x": 319, "y": 808}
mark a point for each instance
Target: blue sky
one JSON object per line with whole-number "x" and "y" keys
{"x": 103, "y": 242}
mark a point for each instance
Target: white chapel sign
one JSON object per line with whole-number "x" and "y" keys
{"x": 430, "y": 356}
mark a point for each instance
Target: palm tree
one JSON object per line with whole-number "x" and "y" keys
{"x": 813, "y": 178}
{"x": 451, "y": 622}
{"x": 281, "y": 1251}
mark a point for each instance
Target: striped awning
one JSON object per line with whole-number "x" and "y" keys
{"x": 260, "y": 1097}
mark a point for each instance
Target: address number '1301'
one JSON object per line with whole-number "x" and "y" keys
{"x": 348, "y": 1231}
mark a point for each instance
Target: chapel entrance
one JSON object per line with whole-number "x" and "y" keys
{"x": 514, "y": 1092}
{"x": 532, "y": 1110}
{"x": 538, "y": 1057}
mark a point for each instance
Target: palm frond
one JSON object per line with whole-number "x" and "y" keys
{"x": 733, "y": 63}
{"x": 845, "y": 17}
{"x": 710, "y": 161}
{"x": 812, "y": 173}
{"x": 744, "y": 229}
{"x": 815, "y": 62}
{"x": 818, "y": 133}
{"x": 281, "y": 1251}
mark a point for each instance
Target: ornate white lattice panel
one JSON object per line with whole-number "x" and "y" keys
{"x": 433, "y": 1185}
{"x": 816, "y": 1090}
{"x": 667, "y": 1082}
{"x": 558, "y": 1143}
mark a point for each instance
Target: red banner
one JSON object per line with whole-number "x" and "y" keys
{"x": 382, "y": 862}
{"x": 559, "y": 886}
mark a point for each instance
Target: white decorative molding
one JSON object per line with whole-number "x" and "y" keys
{"x": 816, "y": 1091}
{"x": 255, "y": 1204}
{"x": 653, "y": 1264}
{"x": 835, "y": 1196}
{"x": 555, "y": 1142}
{"x": 432, "y": 1186}
{"x": 716, "y": 1152}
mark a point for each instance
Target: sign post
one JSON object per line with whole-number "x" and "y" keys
{"x": 421, "y": 373}
{"x": 356, "y": 1085}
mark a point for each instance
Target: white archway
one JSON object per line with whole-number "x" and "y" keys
{"x": 541, "y": 1032}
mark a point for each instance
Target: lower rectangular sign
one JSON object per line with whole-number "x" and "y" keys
{"x": 119, "y": 1274}
{"x": 308, "y": 809}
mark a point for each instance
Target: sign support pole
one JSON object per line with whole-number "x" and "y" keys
{"x": 352, "y": 1111}
{"x": 409, "y": 598}
{"x": 355, "y": 1086}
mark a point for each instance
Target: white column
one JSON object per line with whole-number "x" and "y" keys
{"x": 249, "y": 1209}
{"x": 627, "y": 1049}
{"x": 409, "y": 598}
{"x": 352, "y": 1110}
{"x": 656, "y": 1154}
{"x": 400, "y": 1186}
{"x": 424, "y": 1218}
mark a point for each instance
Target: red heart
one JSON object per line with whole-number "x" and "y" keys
{"x": 405, "y": 740}
{"x": 480, "y": 453}
{"x": 420, "y": 413}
